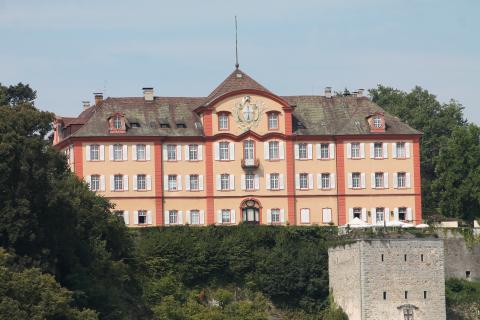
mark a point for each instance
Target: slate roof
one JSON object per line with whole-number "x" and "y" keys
{"x": 313, "y": 115}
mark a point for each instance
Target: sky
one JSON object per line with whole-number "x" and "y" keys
{"x": 66, "y": 50}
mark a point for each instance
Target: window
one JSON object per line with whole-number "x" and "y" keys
{"x": 424, "y": 294}
{"x": 405, "y": 257}
{"x": 355, "y": 150}
{"x": 275, "y": 215}
{"x": 172, "y": 216}
{"x": 95, "y": 182}
{"x": 402, "y": 214}
{"x": 194, "y": 182}
{"x": 302, "y": 151}
{"x": 195, "y": 217}
{"x": 223, "y": 121}
{"x": 94, "y": 152}
{"x": 305, "y": 215}
{"x": 181, "y": 125}
{"x": 118, "y": 213}
{"x": 406, "y": 294}
{"x": 135, "y": 125}
{"x": 380, "y": 214}
{"x": 224, "y": 147}
{"x": 172, "y": 182}
{"x": 407, "y": 313}
{"x": 378, "y": 179}
{"x": 141, "y": 152}
{"x": 118, "y": 182}
{"x": 303, "y": 180}
{"x": 117, "y": 152}
{"x": 274, "y": 181}
{"x": 272, "y": 120}
{"x": 226, "y": 216}
{"x": 421, "y": 257}
{"x": 248, "y": 150}
{"x": 325, "y": 180}
{"x": 171, "y": 152}
{"x": 467, "y": 274}
{"x": 324, "y": 151}
{"x": 378, "y": 150}
{"x": 384, "y": 293}
{"x": 142, "y": 217}
{"x": 356, "y": 180}
{"x": 357, "y": 213}
{"x": 327, "y": 215}
{"x": 273, "y": 150}
{"x": 377, "y": 122}
{"x": 117, "y": 122}
{"x": 382, "y": 257}
{"x": 250, "y": 181}
{"x": 225, "y": 181}
{"x": 401, "y": 180}
{"x": 164, "y": 125}
{"x": 141, "y": 182}
{"x": 401, "y": 153}
{"x": 193, "y": 152}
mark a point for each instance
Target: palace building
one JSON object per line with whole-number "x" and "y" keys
{"x": 246, "y": 154}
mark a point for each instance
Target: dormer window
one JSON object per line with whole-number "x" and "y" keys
{"x": 181, "y": 125}
{"x": 117, "y": 122}
{"x": 376, "y": 121}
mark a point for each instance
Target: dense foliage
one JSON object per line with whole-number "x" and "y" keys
{"x": 450, "y": 164}
{"x": 463, "y": 299}
{"x": 289, "y": 266}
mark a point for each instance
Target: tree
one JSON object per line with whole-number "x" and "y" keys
{"x": 52, "y": 221}
{"x": 421, "y": 110}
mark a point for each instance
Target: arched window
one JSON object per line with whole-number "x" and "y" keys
{"x": 223, "y": 121}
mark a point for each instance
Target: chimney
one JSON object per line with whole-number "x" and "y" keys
{"x": 86, "y": 105}
{"x": 148, "y": 94}
{"x": 328, "y": 92}
{"x": 360, "y": 93}
{"x": 98, "y": 97}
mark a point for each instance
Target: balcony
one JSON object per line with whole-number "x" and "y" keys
{"x": 250, "y": 163}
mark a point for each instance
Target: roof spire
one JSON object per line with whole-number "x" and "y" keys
{"x": 236, "y": 44}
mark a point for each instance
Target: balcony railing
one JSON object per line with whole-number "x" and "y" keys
{"x": 250, "y": 163}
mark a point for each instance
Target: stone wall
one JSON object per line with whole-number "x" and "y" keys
{"x": 460, "y": 258}
{"x": 344, "y": 274}
{"x": 414, "y": 266}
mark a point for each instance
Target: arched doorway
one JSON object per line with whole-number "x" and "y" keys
{"x": 250, "y": 209}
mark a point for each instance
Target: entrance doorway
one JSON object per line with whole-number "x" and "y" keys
{"x": 250, "y": 211}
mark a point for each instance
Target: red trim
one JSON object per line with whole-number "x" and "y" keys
{"x": 244, "y": 91}
{"x": 209, "y": 179}
{"x": 417, "y": 184}
{"x": 290, "y": 169}
{"x": 260, "y": 208}
{"x": 340, "y": 161}
{"x": 158, "y": 153}
{"x": 78, "y": 159}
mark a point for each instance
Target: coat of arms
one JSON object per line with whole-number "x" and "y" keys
{"x": 247, "y": 113}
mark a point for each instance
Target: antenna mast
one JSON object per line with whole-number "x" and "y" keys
{"x": 236, "y": 44}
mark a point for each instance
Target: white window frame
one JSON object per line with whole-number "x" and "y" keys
{"x": 355, "y": 150}
{"x": 193, "y": 152}
{"x": 275, "y": 215}
{"x": 354, "y": 175}
{"x": 326, "y": 215}
{"x": 117, "y": 152}
{"x": 303, "y": 151}
{"x": 173, "y": 217}
{"x": 250, "y": 181}
{"x": 226, "y": 216}
{"x": 224, "y": 150}
{"x": 117, "y": 122}
{"x": 225, "y": 182}
{"x": 195, "y": 217}
{"x": 405, "y": 209}
{"x": 194, "y": 181}
{"x": 379, "y": 180}
{"x": 95, "y": 183}
{"x": 274, "y": 150}
{"x": 273, "y": 121}
{"x": 172, "y": 182}
{"x": 401, "y": 150}
{"x": 305, "y": 215}
{"x": 223, "y": 121}
{"x": 303, "y": 181}
{"x": 324, "y": 151}
{"x": 357, "y": 211}
{"x": 325, "y": 181}
{"x": 141, "y": 152}
{"x": 378, "y": 150}
{"x": 94, "y": 152}
{"x": 171, "y": 152}
{"x": 142, "y": 214}
{"x": 275, "y": 181}
{"x": 377, "y": 121}
{"x": 118, "y": 182}
{"x": 401, "y": 180}
{"x": 141, "y": 182}
{"x": 379, "y": 213}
